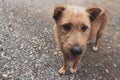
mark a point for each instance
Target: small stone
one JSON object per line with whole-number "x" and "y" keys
{"x": 5, "y": 77}
{"x": 4, "y": 55}
{"x": 114, "y": 65}
{"x": 106, "y": 70}
{"x": 85, "y": 70}
{"x": 100, "y": 63}
{"x": 106, "y": 40}
{"x": 47, "y": 51}
{"x": 118, "y": 45}
{"x": 71, "y": 78}
{"x": 109, "y": 47}
{"x": 100, "y": 77}
{"x": 55, "y": 52}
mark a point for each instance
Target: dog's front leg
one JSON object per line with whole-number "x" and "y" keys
{"x": 73, "y": 69}
{"x": 62, "y": 70}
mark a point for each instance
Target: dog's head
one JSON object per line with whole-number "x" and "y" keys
{"x": 74, "y": 26}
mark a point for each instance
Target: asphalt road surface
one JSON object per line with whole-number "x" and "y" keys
{"x": 28, "y": 50}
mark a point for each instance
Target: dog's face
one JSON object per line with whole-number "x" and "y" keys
{"x": 74, "y": 26}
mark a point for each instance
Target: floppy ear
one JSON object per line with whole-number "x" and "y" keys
{"x": 58, "y": 12}
{"x": 94, "y": 12}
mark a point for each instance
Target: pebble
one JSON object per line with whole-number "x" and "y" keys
{"x": 118, "y": 45}
{"x": 4, "y": 55}
{"x": 100, "y": 77}
{"x": 55, "y": 52}
{"x": 106, "y": 40}
{"x": 85, "y": 70}
{"x": 106, "y": 70}
{"x": 109, "y": 47}
{"x": 5, "y": 77}
{"x": 114, "y": 65}
{"x": 71, "y": 78}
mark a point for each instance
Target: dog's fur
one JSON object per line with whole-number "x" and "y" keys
{"x": 76, "y": 26}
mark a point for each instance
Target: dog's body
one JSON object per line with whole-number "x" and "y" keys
{"x": 74, "y": 28}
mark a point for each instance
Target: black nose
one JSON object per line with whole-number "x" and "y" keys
{"x": 76, "y": 50}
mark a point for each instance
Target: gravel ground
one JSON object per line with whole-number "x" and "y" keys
{"x": 28, "y": 50}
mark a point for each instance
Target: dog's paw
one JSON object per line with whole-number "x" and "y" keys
{"x": 62, "y": 70}
{"x": 94, "y": 48}
{"x": 73, "y": 70}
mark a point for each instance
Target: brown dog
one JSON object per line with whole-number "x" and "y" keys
{"x": 74, "y": 27}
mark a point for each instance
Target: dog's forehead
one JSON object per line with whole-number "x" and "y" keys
{"x": 76, "y": 15}
{"x": 76, "y": 9}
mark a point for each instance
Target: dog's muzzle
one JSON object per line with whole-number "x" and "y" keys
{"x": 76, "y": 50}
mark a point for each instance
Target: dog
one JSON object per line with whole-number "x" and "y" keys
{"x": 74, "y": 27}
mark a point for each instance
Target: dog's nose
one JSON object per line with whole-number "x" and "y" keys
{"x": 76, "y": 50}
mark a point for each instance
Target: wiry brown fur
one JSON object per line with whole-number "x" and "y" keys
{"x": 95, "y": 18}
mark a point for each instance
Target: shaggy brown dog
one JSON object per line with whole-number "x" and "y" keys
{"x": 74, "y": 27}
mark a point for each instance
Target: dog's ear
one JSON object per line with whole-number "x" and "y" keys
{"x": 58, "y": 12}
{"x": 94, "y": 12}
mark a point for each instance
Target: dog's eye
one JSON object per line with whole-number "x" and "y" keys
{"x": 84, "y": 28}
{"x": 66, "y": 27}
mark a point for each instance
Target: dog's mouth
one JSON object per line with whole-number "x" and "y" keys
{"x": 72, "y": 57}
